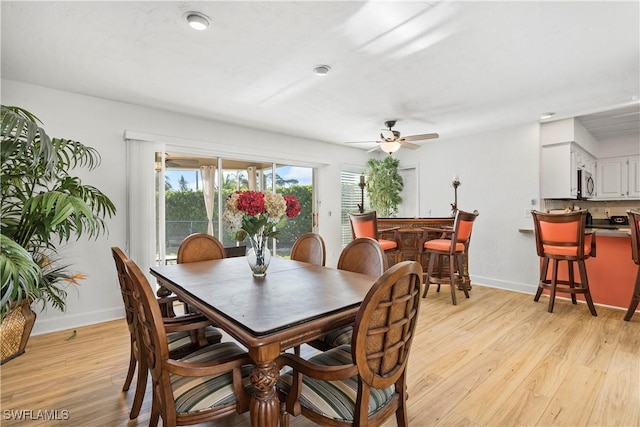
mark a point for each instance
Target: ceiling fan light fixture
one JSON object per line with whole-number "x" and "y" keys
{"x": 197, "y": 20}
{"x": 390, "y": 147}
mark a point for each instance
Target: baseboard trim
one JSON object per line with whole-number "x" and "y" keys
{"x": 69, "y": 322}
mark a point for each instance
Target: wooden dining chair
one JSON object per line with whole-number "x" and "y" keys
{"x": 200, "y": 247}
{"x": 309, "y": 248}
{"x": 561, "y": 237}
{"x": 366, "y": 225}
{"x": 203, "y": 386}
{"x": 362, "y": 255}
{"x": 194, "y": 248}
{"x": 452, "y": 250}
{"x": 366, "y": 382}
{"x": 184, "y": 334}
{"x": 634, "y": 222}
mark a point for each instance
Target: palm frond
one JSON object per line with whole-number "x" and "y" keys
{"x": 19, "y": 274}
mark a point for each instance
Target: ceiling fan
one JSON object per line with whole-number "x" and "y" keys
{"x": 171, "y": 161}
{"x": 391, "y": 140}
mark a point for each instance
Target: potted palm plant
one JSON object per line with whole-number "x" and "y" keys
{"x": 384, "y": 185}
{"x": 43, "y": 206}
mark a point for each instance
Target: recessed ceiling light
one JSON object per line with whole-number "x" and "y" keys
{"x": 197, "y": 20}
{"x": 546, "y": 115}
{"x": 321, "y": 70}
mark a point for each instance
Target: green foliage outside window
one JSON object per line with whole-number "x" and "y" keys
{"x": 185, "y": 213}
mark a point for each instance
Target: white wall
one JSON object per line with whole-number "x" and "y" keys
{"x": 101, "y": 123}
{"x": 498, "y": 171}
{"x": 499, "y": 175}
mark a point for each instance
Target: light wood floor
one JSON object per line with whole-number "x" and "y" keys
{"x": 496, "y": 359}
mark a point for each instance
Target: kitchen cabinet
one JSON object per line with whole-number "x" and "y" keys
{"x": 559, "y": 166}
{"x": 634, "y": 177}
{"x": 618, "y": 178}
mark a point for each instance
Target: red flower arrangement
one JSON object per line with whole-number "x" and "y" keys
{"x": 257, "y": 214}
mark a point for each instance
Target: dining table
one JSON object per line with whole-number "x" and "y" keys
{"x": 295, "y": 303}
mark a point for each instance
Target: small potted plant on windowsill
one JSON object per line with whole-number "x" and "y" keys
{"x": 42, "y": 207}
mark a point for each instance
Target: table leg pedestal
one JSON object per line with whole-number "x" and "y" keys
{"x": 265, "y": 406}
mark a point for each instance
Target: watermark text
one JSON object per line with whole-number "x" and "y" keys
{"x": 36, "y": 414}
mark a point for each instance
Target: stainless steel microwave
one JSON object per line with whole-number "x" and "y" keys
{"x": 586, "y": 185}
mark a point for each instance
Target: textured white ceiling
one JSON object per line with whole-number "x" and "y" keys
{"x": 449, "y": 67}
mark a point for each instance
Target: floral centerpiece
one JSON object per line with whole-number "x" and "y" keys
{"x": 258, "y": 216}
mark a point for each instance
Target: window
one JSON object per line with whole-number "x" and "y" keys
{"x": 352, "y": 196}
{"x": 181, "y": 205}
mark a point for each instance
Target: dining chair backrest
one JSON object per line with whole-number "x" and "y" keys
{"x": 462, "y": 228}
{"x": 364, "y": 225}
{"x": 208, "y": 382}
{"x": 363, "y": 255}
{"x": 385, "y": 326}
{"x": 125, "y": 287}
{"x": 362, "y": 383}
{"x": 150, "y": 325}
{"x": 200, "y": 247}
{"x": 634, "y": 223}
{"x": 309, "y": 248}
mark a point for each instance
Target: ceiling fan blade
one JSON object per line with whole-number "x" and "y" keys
{"x": 371, "y": 150}
{"x": 421, "y": 137}
{"x": 182, "y": 160}
{"x": 361, "y": 142}
{"x": 408, "y": 145}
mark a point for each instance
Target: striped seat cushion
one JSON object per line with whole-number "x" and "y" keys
{"x": 194, "y": 394}
{"x": 339, "y": 337}
{"x": 335, "y": 399}
{"x": 181, "y": 339}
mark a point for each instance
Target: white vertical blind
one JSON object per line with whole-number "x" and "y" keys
{"x": 141, "y": 212}
{"x": 351, "y": 198}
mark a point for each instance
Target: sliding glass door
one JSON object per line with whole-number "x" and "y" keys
{"x": 191, "y": 193}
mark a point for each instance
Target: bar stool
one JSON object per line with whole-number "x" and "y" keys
{"x": 634, "y": 221}
{"x": 452, "y": 249}
{"x": 366, "y": 225}
{"x": 561, "y": 237}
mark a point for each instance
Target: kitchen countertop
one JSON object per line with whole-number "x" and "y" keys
{"x": 604, "y": 232}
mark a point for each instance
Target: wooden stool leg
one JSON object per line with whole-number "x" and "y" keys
{"x": 460, "y": 269}
{"x": 554, "y": 280}
{"x": 572, "y": 282}
{"x": 585, "y": 284}
{"x": 635, "y": 299}
{"x": 452, "y": 278}
{"x": 432, "y": 257}
{"x": 544, "y": 267}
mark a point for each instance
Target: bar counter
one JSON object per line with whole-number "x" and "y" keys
{"x": 412, "y": 234}
{"x": 612, "y": 272}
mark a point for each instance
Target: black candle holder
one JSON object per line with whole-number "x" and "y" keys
{"x": 454, "y": 206}
{"x": 362, "y": 184}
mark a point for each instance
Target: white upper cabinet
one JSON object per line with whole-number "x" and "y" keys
{"x": 634, "y": 177}
{"x": 618, "y": 178}
{"x": 560, "y": 164}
